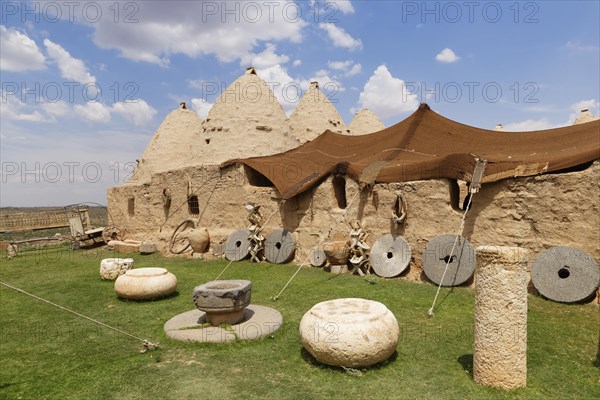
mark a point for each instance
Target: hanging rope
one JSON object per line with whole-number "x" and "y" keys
{"x": 343, "y": 216}
{"x": 145, "y": 343}
{"x": 458, "y": 236}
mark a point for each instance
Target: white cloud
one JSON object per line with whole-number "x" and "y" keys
{"x": 297, "y": 63}
{"x": 58, "y": 108}
{"x": 447, "y": 56}
{"x": 196, "y": 28}
{"x": 138, "y": 112}
{"x": 285, "y": 88}
{"x": 387, "y": 96}
{"x": 202, "y": 107}
{"x": 265, "y": 59}
{"x": 348, "y": 67}
{"x": 345, "y": 6}
{"x": 356, "y": 69}
{"x": 14, "y": 109}
{"x": 93, "y": 112}
{"x": 18, "y": 52}
{"x": 529, "y": 125}
{"x": 339, "y": 65}
{"x": 584, "y": 48}
{"x": 339, "y": 37}
{"x": 69, "y": 66}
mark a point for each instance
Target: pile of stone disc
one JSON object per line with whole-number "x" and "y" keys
{"x": 390, "y": 255}
{"x": 237, "y": 246}
{"x": 565, "y": 274}
{"x": 280, "y": 246}
{"x": 461, "y": 264}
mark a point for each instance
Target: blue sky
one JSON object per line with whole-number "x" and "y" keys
{"x": 528, "y": 65}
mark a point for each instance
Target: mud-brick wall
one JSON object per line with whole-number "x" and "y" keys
{"x": 534, "y": 212}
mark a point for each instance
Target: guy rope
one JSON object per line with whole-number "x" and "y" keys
{"x": 473, "y": 189}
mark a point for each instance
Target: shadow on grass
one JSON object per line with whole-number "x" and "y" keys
{"x": 466, "y": 360}
{"x": 171, "y": 296}
{"x": 350, "y": 371}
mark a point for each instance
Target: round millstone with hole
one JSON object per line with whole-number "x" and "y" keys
{"x": 461, "y": 264}
{"x": 237, "y": 246}
{"x": 280, "y": 246}
{"x": 565, "y": 274}
{"x": 390, "y": 255}
{"x": 318, "y": 258}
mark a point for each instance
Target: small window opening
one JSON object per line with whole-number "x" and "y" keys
{"x": 193, "y": 205}
{"x": 339, "y": 189}
{"x": 131, "y": 206}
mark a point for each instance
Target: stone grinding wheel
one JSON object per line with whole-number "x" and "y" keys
{"x": 280, "y": 246}
{"x": 390, "y": 255}
{"x": 237, "y": 246}
{"x": 318, "y": 258}
{"x": 437, "y": 254}
{"x": 565, "y": 274}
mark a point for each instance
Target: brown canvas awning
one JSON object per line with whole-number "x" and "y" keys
{"x": 428, "y": 146}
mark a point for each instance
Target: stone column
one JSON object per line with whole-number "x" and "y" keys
{"x": 500, "y": 336}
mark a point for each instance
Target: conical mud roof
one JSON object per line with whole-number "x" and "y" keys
{"x": 364, "y": 122}
{"x": 173, "y": 146}
{"x": 584, "y": 117}
{"x": 246, "y": 120}
{"x": 313, "y": 115}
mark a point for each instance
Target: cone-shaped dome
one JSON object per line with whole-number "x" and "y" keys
{"x": 174, "y": 145}
{"x": 364, "y": 122}
{"x": 584, "y": 117}
{"x": 313, "y": 115}
{"x": 245, "y": 121}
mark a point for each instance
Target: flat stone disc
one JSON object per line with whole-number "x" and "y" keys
{"x": 318, "y": 258}
{"x": 565, "y": 274}
{"x": 237, "y": 246}
{"x": 390, "y": 255}
{"x": 280, "y": 246}
{"x": 437, "y": 253}
{"x": 259, "y": 322}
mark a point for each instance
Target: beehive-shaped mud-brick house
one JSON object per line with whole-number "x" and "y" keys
{"x": 314, "y": 174}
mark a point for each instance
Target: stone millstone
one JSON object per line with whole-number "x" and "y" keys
{"x": 280, "y": 246}
{"x": 436, "y": 255}
{"x": 237, "y": 246}
{"x": 565, "y": 274}
{"x": 259, "y": 322}
{"x": 390, "y": 255}
{"x": 318, "y": 258}
{"x": 349, "y": 332}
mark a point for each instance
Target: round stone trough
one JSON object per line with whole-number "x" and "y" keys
{"x": 223, "y": 301}
{"x": 349, "y": 332}
{"x": 112, "y": 268}
{"x": 145, "y": 284}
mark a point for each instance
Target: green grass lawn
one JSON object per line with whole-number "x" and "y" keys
{"x": 49, "y": 353}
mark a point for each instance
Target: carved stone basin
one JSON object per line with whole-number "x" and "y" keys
{"x": 223, "y": 301}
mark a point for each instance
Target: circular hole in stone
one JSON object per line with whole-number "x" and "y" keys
{"x": 278, "y": 245}
{"x": 564, "y": 272}
{"x": 390, "y": 254}
{"x": 238, "y": 243}
{"x": 448, "y": 259}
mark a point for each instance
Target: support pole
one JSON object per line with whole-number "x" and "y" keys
{"x": 500, "y": 335}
